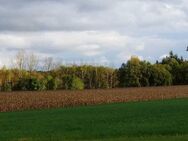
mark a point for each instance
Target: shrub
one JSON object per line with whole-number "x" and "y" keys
{"x": 51, "y": 83}
{"x": 7, "y": 87}
{"x": 22, "y": 84}
{"x": 77, "y": 84}
{"x": 31, "y": 84}
{"x": 72, "y": 83}
{"x": 35, "y": 84}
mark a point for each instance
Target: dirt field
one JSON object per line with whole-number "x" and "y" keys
{"x": 14, "y": 101}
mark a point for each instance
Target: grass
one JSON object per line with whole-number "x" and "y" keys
{"x": 152, "y": 121}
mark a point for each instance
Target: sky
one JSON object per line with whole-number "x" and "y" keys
{"x": 93, "y": 31}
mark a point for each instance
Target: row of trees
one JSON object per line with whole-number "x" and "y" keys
{"x": 26, "y": 75}
{"x": 64, "y": 77}
{"x": 172, "y": 70}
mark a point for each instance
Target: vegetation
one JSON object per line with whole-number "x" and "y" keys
{"x": 154, "y": 121}
{"x": 72, "y": 83}
{"x": 26, "y": 74}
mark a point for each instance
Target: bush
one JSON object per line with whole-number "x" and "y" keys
{"x": 21, "y": 84}
{"x": 51, "y": 83}
{"x": 31, "y": 84}
{"x": 7, "y": 87}
{"x": 35, "y": 84}
{"x": 72, "y": 83}
{"x": 67, "y": 82}
{"x": 77, "y": 84}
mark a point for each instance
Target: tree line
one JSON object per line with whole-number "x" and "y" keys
{"x": 27, "y": 73}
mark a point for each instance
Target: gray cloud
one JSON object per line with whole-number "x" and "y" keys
{"x": 112, "y": 30}
{"x": 50, "y": 15}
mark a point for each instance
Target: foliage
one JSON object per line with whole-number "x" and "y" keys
{"x": 134, "y": 73}
{"x": 72, "y": 83}
{"x": 171, "y": 70}
{"x": 7, "y": 86}
{"x": 92, "y": 76}
{"x": 77, "y": 84}
{"x": 31, "y": 84}
{"x": 51, "y": 83}
{"x": 182, "y": 74}
{"x": 159, "y": 76}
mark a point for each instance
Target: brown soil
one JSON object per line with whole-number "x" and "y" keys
{"x": 13, "y": 101}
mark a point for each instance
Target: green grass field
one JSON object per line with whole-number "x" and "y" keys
{"x": 144, "y": 121}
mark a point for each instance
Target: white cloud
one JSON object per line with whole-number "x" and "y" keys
{"x": 112, "y": 30}
{"x": 140, "y": 47}
{"x": 113, "y": 46}
{"x": 163, "y": 56}
{"x": 12, "y": 41}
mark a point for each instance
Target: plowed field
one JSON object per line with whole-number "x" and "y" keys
{"x": 13, "y": 101}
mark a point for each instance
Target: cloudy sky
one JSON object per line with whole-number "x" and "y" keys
{"x": 100, "y": 31}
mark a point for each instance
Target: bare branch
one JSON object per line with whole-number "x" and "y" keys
{"x": 19, "y": 61}
{"x": 32, "y": 62}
